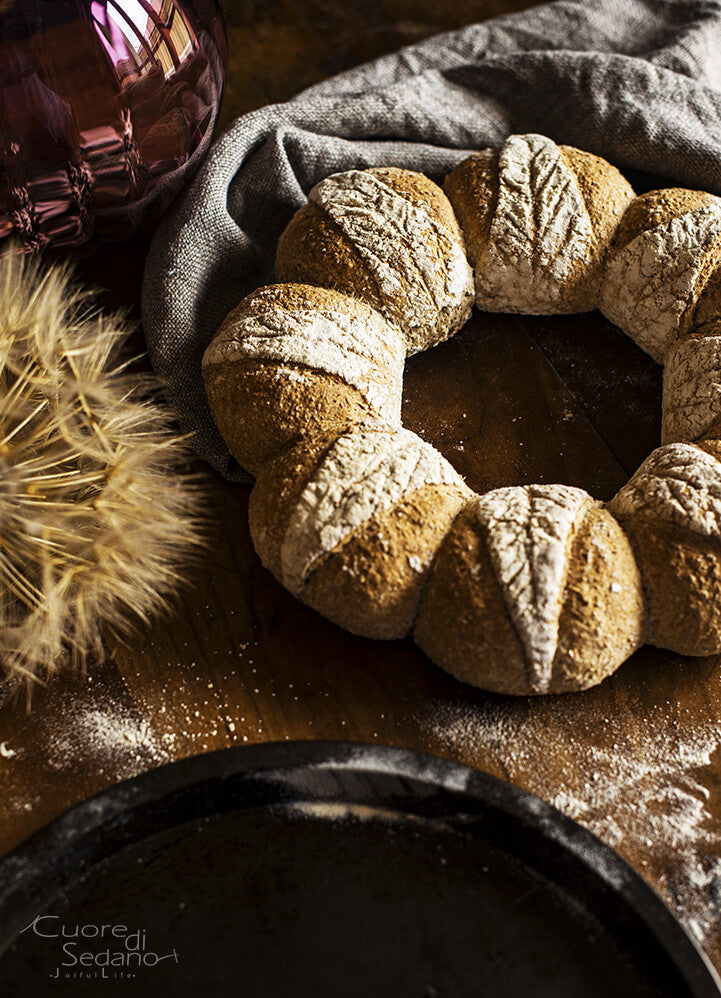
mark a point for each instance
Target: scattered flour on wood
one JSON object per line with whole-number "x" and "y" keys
{"x": 123, "y": 744}
{"x": 85, "y": 746}
{"x": 639, "y": 786}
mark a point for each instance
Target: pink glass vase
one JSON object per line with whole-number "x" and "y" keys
{"x": 106, "y": 107}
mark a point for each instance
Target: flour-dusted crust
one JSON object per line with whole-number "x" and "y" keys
{"x": 532, "y": 222}
{"x": 652, "y": 283}
{"x": 472, "y": 189}
{"x": 527, "y": 532}
{"x": 691, "y": 388}
{"x": 524, "y": 590}
{"x": 372, "y": 583}
{"x": 705, "y": 314}
{"x": 540, "y": 234}
{"x": 671, "y": 511}
{"x": 363, "y": 474}
{"x": 467, "y": 624}
{"x": 292, "y": 359}
{"x": 351, "y": 525}
{"x": 678, "y": 483}
{"x": 360, "y": 349}
{"x": 415, "y": 259}
{"x": 390, "y": 242}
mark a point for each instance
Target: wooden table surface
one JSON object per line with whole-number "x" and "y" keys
{"x": 510, "y": 400}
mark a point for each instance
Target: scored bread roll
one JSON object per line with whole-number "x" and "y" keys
{"x": 351, "y": 524}
{"x": 665, "y": 249}
{"x": 534, "y": 590}
{"x": 389, "y": 237}
{"x": 292, "y": 360}
{"x": 537, "y": 219}
{"x": 671, "y": 512}
{"x": 691, "y": 389}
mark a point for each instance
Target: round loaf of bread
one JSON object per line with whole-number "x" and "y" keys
{"x": 534, "y": 590}
{"x": 390, "y": 238}
{"x": 292, "y": 360}
{"x": 665, "y": 249}
{"x": 351, "y": 524}
{"x": 537, "y": 219}
{"x": 671, "y": 511}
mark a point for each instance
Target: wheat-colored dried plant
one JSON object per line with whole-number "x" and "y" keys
{"x": 95, "y": 518}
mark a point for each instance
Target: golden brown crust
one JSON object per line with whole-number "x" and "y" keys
{"x": 371, "y": 585}
{"x": 295, "y": 296}
{"x": 262, "y": 408}
{"x": 711, "y": 440}
{"x": 313, "y": 250}
{"x": 649, "y": 212}
{"x": 276, "y": 492}
{"x": 464, "y": 626}
{"x": 655, "y": 208}
{"x": 421, "y": 192}
{"x": 681, "y": 574}
{"x": 472, "y": 189}
{"x": 605, "y": 191}
{"x": 420, "y": 294}
{"x": 602, "y": 619}
{"x": 462, "y": 623}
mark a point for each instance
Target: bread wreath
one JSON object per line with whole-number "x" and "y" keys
{"x": 523, "y": 590}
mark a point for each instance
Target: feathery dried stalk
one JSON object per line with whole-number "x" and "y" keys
{"x": 94, "y": 521}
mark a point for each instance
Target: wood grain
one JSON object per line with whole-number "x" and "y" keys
{"x": 509, "y": 400}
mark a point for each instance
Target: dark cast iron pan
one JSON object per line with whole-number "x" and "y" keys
{"x": 331, "y": 870}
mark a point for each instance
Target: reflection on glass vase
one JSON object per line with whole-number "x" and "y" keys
{"x": 106, "y": 107}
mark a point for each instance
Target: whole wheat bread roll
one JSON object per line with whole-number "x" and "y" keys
{"x": 665, "y": 249}
{"x": 390, "y": 238}
{"x": 535, "y": 590}
{"x": 537, "y": 219}
{"x": 351, "y": 523}
{"x": 292, "y": 360}
{"x": 671, "y": 511}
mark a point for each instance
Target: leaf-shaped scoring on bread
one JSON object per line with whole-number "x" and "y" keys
{"x": 648, "y": 286}
{"x": 420, "y": 268}
{"x": 678, "y": 483}
{"x": 540, "y": 233}
{"x": 528, "y": 530}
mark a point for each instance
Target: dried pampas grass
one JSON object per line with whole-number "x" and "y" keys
{"x": 93, "y": 518}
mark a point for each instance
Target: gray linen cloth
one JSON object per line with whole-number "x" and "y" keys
{"x": 636, "y": 81}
